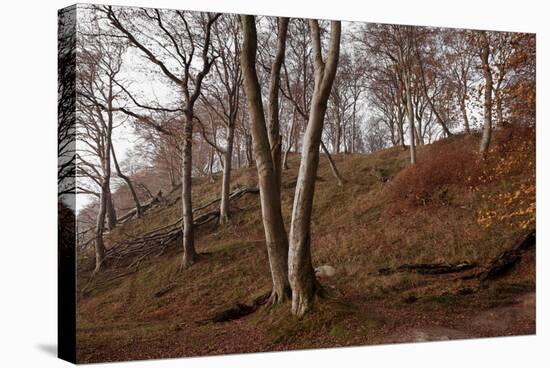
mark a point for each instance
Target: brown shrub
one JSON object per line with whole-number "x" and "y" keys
{"x": 428, "y": 181}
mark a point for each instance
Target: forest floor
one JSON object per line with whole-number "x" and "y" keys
{"x": 367, "y": 226}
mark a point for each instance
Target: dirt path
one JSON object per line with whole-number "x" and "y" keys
{"x": 501, "y": 321}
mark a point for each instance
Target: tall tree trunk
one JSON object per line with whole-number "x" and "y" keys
{"x": 410, "y": 116}
{"x": 211, "y": 165}
{"x": 392, "y": 133}
{"x": 338, "y": 138}
{"x": 189, "y": 253}
{"x": 226, "y": 179}
{"x": 238, "y": 151}
{"x": 498, "y": 102}
{"x": 110, "y": 207}
{"x": 400, "y": 129}
{"x": 353, "y": 116}
{"x": 100, "y": 228}
{"x": 301, "y": 274}
{"x": 289, "y": 139}
{"x": 417, "y": 134}
{"x": 111, "y": 212}
{"x": 487, "y": 103}
{"x": 128, "y": 182}
{"x": 249, "y": 155}
{"x": 273, "y": 99}
{"x": 275, "y": 233}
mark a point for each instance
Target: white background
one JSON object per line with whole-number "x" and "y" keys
{"x": 28, "y": 201}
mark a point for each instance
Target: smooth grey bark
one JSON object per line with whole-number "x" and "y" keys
{"x": 110, "y": 207}
{"x": 353, "y": 118}
{"x": 410, "y": 117}
{"x": 274, "y": 135}
{"x": 106, "y": 207}
{"x": 405, "y": 61}
{"x": 289, "y": 139}
{"x": 301, "y": 108}
{"x": 111, "y": 212}
{"x": 301, "y": 274}
{"x": 227, "y": 94}
{"x": 189, "y": 252}
{"x": 412, "y": 129}
{"x": 226, "y": 177}
{"x": 211, "y": 165}
{"x": 275, "y": 233}
{"x": 338, "y": 138}
{"x": 487, "y": 102}
{"x": 248, "y": 149}
{"x": 418, "y": 114}
{"x": 100, "y": 228}
{"x": 400, "y": 129}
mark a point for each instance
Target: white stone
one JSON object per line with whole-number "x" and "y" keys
{"x": 325, "y": 270}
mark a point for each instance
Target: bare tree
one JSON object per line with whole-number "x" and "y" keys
{"x": 298, "y": 91}
{"x": 98, "y": 66}
{"x": 176, "y": 31}
{"x": 222, "y": 99}
{"x": 66, "y": 95}
{"x": 413, "y": 38}
{"x": 488, "y": 94}
{"x": 459, "y": 61}
{"x": 301, "y": 274}
{"x": 275, "y": 233}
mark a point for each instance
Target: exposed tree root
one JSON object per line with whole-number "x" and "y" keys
{"x": 275, "y": 298}
{"x": 238, "y": 310}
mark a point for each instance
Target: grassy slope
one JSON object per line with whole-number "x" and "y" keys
{"x": 358, "y": 229}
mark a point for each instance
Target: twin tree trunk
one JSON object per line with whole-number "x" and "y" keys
{"x": 270, "y": 199}
{"x": 487, "y": 103}
{"x": 289, "y": 264}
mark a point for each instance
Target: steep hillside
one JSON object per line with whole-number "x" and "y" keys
{"x": 450, "y": 210}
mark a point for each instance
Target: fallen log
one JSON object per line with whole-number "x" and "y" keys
{"x": 429, "y": 268}
{"x": 155, "y": 242}
{"x": 500, "y": 265}
{"x": 165, "y": 290}
{"x": 509, "y": 258}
